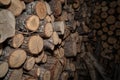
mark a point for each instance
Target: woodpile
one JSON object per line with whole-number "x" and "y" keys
{"x": 38, "y": 39}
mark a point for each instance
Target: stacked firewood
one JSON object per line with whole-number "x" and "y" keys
{"x": 106, "y": 23}
{"x": 38, "y": 39}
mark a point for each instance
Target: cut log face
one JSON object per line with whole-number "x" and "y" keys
{"x": 35, "y": 44}
{"x": 16, "y": 7}
{"x": 38, "y": 8}
{"x": 3, "y": 69}
{"x": 32, "y": 23}
{"x": 7, "y": 26}
{"x": 44, "y": 59}
{"x": 29, "y": 64}
{"x": 38, "y": 59}
{"x": 5, "y": 2}
{"x": 44, "y": 74}
{"x": 55, "y": 38}
{"x": 110, "y": 20}
{"x": 16, "y": 74}
{"x": 17, "y": 58}
{"x": 27, "y": 22}
{"x": 17, "y": 40}
{"x": 59, "y": 27}
{"x": 46, "y": 30}
{"x": 70, "y": 49}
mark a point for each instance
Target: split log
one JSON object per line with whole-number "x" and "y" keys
{"x": 16, "y": 74}
{"x": 3, "y": 69}
{"x": 70, "y": 49}
{"x": 7, "y": 23}
{"x": 55, "y": 38}
{"x": 54, "y": 66}
{"x": 17, "y": 58}
{"x": 16, "y": 40}
{"x": 5, "y": 2}
{"x": 46, "y": 30}
{"x": 33, "y": 44}
{"x": 111, "y": 19}
{"x": 48, "y": 44}
{"x": 49, "y": 11}
{"x": 118, "y": 2}
{"x": 38, "y": 8}
{"x": 117, "y": 33}
{"x": 39, "y": 58}
{"x": 96, "y": 25}
{"x": 105, "y": 29}
{"x": 44, "y": 59}
{"x": 44, "y": 74}
{"x": 16, "y": 7}
{"x": 35, "y": 72}
{"x": 27, "y": 22}
{"x": 59, "y": 53}
{"x": 56, "y": 7}
{"x": 29, "y": 64}
{"x": 112, "y": 27}
{"x": 64, "y": 76}
{"x": 59, "y": 27}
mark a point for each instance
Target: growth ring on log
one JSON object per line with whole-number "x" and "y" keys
{"x": 35, "y": 44}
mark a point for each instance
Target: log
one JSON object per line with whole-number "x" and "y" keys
{"x": 59, "y": 27}
{"x": 76, "y": 4}
{"x": 38, "y": 59}
{"x": 59, "y": 53}
{"x": 110, "y": 33}
{"x": 112, "y": 27}
{"x": 117, "y": 24}
{"x": 55, "y": 38}
{"x": 63, "y": 16}
{"x": 54, "y": 66}
{"x": 70, "y": 49}
{"x": 104, "y": 37}
{"x": 104, "y": 3}
{"x": 117, "y": 33}
{"x": 112, "y": 40}
{"x": 16, "y": 40}
{"x": 105, "y": 45}
{"x": 33, "y": 44}
{"x": 16, "y": 74}
{"x": 48, "y": 44}
{"x": 23, "y": 5}
{"x": 46, "y": 30}
{"x": 49, "y": 11}
{"x": 56, "y": 7}
{"x": 105, "y": 8}
{"x": 29, "y": 64}
{"x": 38, "y": 8}
{"x": 16, "y": 7}
{"x": 27, "y": 22}
{"x": 111, "y": 19}
{"x": 113, "y": 4}
{"x": 44, "y": 59}
{"x": 104, "y": 24}
{"x": 44, "y": 74}
{"x": 5, "y": 2}
{"x": 64, "y": 76}
{"x": 118, "y": 2}
{"x": 35, "y": 72}
{"x": 111, "y": 11}
{"x": 17, "y": 58}
{"x": 6, "y": 30}
{"x": 4, "y": 69}
{"x": 104, "y": 15}
{"x": 105, "y": 29}
{"x": 48, "y": 19}
{"x": 96, "y": 25}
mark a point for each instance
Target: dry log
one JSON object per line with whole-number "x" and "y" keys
{"x": 111, "y": 19}
{"x": 54, "y": 66}
{"x": 16, "y": 74}
{"x": 117, "y": 33}
{"x": 5, "y": 2}
{"x": 104, "y": 37}
{"x": 44, "y": 74}
{"x": 104, "y": 15}
{"x": 64, "y": 76}
{"x": 17, "y": 58}
{"x": 27, "y": 22}
{"x": 105, "y": 29}
{"x": 46, "y": 30}
{"x": 3, "y": 69}
{"x": 49, "y": 12}
{"x": 29, "y": 64}
{"x": 113, "y": 4}
{"x": 48, "y": 19}
{"x": 48, "y": 44}
{"x": 96, "y": 25}
{"x": 112, "y": 40}
{"x": 76, "y": 4}
{"x": 35, "y": 72}
{"x": 16, "y": 40}
{"x": 38, "y": 8}
{"x": 16, "y": 7}
{"x": 112, "y": 27}
{"x": 33, "y": 44}
{"x": 44, "y": 59}
{"x": 110, "y": 33}
{"x": 59, "y": 53}
{"x": 6, "y": 30}
{"x": 59, "y": 27}
{"x": 70, "y": 49}
{"x": 63, "y": 16}
{"x": 39, "y": 58}
{"x": 111, "y": 11}
{"x": 117, "y": 24}
{"x": 56, "y": 7}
